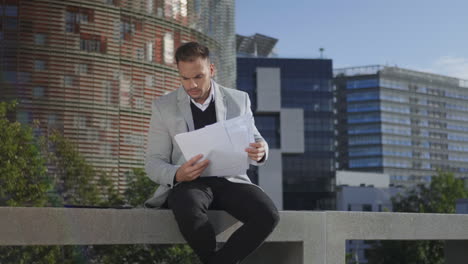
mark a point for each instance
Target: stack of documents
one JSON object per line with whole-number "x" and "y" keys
{"x": 223, "y": 143}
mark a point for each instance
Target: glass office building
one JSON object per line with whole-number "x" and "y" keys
{"x": 305, "y": 85}
{"x": 403, "y": 123}
{"x": 91, "y": 68}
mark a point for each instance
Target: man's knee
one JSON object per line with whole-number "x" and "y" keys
{"x": 273, "y": 218}
{"x": 268, "y": 219}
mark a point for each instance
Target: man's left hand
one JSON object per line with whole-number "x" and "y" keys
{"x": 256, "y": 151}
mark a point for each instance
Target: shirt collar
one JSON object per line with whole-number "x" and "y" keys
{"x": 208, "y": 100}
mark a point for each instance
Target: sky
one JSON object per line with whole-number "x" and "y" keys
{"x": 422, "y": 35}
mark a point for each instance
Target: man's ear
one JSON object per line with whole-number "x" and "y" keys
{"x": 212, "y": 70}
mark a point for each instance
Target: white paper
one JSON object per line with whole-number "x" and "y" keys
{"x": 223, "y": 143}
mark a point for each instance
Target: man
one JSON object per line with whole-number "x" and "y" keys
{"x": 200, "y": 102}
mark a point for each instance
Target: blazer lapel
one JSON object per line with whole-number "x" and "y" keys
{"x": 183, "y": 102}
{"x": 220, "y": 102}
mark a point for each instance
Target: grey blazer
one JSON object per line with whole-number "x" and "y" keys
{"x": 171, "y": 115}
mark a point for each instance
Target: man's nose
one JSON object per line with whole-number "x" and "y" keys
{"x": 193, "y": 84}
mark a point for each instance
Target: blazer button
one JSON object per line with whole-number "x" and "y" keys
{"x": 169, "y": 185}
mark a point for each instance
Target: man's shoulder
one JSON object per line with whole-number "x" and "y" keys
{"x": 169, "y": 98}
{"x": 232, "y": 92}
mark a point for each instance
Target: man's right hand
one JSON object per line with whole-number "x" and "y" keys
{"x": 191, "y": 170}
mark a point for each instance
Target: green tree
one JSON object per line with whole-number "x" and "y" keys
{"x": 439, "y": 197}
{"x": 23, "y": 178}
{"x": 139, "y": 189}
{"x": 75, "y": 180}
{"x": 23, "y": 182}
{"x": 71, "y": 180}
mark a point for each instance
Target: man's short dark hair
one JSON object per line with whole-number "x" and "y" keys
{"x": 191, "y": 51}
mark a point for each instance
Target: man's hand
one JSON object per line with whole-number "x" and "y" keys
{"x": 256, "y": 151}
{"x": 191, "y": 170}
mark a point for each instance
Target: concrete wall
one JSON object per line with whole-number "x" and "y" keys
{"x": 304, "y": 237}
{"x": 270, "y": 177}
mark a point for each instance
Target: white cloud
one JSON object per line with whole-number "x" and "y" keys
{"x": 450, "y": 66}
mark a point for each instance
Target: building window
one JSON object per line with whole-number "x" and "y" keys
{"x": 39, "y": 65}
{"x": 52, "y": 119}
{"x": 365, "y": 163}
{"x": 11, "y": 23}
{"x": 106, "y": 149}
{"x": 356, "y": 84}
{"x": 108, "y": 91}
{"x": 74, "y": 17}
{"x": 183, "y": 8}
{"x": 39, "y": 39}
{"x": 23, "y": 117}
{"x": 24, "y": 77}
{"x": 159, "y": 12}
{"x": 10, "y": 10}
{"x": 169, "y": 48}
{"x": 139, "y": 53}
{"x": 367, "y": 207}
{"x": 10, "y": 14}
{"x": 38, "y": 91}
{"x": 93, "y": 135}
{"x": 150, "y": 6}
{"x": 128, "y": 27}
{"x": 149, "y": 81}
{"x": 10, "y": 76}
{"x": 68, "y": 81}
{"x": 149, "y": 51}
{"x": 79, "y": 122}
{"x": 92, "y": 43}
{"x": 269, "y": 126}
{"x": 81, "y": 68}
{"x": 139, "y": 103}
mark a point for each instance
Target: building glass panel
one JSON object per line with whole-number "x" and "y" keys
{"x": 306, "y": 84}
{"x": 269, "y": 125}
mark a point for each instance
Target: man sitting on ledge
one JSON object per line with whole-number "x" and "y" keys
{"x": 200, "y": 102}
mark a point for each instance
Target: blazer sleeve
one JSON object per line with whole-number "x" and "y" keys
{"x": 257, "y": 135}
{"x": 159, "y": 150}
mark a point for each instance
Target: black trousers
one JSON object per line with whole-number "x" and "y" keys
{"x": 190, "y": 202}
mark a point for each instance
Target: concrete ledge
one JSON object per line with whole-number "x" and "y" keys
{"x": 301, "y": 237}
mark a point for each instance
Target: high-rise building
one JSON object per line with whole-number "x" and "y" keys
{"x": 292, "y": 101}
{"x": 400, "y": 122}
{"x": 91, "y": 68}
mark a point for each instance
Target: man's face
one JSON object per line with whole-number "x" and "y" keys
{"x": 196, "y": 78}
